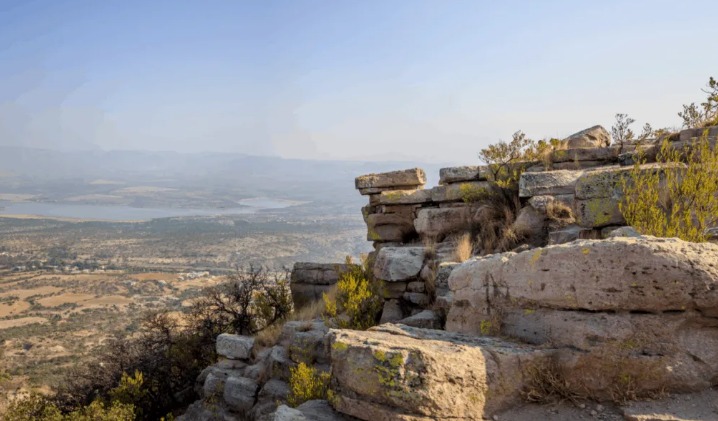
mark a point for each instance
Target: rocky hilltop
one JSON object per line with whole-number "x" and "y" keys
{"x": 584, "y": 310}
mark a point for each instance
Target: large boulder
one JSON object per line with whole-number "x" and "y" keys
{"x": 645, "y": 274}
{"x": 398, "y": 263}
{"x": 548, "y": 183}
{"x": 240, "y": 393}
{"x": 394, "y": 372}
{"x": 376, "y": 183}
{"x": 593, "y": 137}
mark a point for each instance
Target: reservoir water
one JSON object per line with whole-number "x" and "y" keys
{"x": 129, "y": 213}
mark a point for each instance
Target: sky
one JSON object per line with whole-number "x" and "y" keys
{"x": 430, "y": 81}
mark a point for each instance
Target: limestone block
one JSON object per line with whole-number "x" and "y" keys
{"x": 410, "y": 178}
{"x": 438, "y": 222}
{"x": 465, "y": 191}
{"x": 235, "y": 347}
{"x": 395, "y": 372}
{"x": 459, "y": 174}
{"x": 398, "y": 263}
{"x": 404, "y": 197}
{"x": 645, "y": 274}
{"x": 593, "y": 137}
{"x": 240, "y": 393}
{"x": 548, "y": 183}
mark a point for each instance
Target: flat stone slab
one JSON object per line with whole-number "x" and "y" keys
{"x": 459, "y": 174}
{"x": 548, "y": 183}
{"x": 410, "y": 178}
{"x": 396, "y": 372}
{"x": 465, "y": 191}
{"x": 404, "y": 197}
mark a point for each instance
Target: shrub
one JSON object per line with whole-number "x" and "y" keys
{"x": 493, "y": 220}
{"x": 307, "y": 383}
{"x": 358, "y": 302}
{"x": 559, "y": 213}
{"x": 707, "y": 113}
{"x": 503, "y": 159}
{"x": 546, "y": 384}
{"x": 36, "y": 407}
{"x": 464, "y": 248}
{"x": 678, "y": 201}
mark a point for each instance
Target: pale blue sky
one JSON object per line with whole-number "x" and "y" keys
{"x": 423, "y": 80}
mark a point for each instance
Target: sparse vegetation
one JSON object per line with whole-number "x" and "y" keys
{"x": 493, "y": 220}
{"x": 358, "y": 302}
{"x": 559, "y": 213}
{"x": 705, "y": 114}
{"x": 307, "y": 383}
{"x": 546, "y": 384}
{"x": 678, "y": 201}
{"x": 464, "y": 247}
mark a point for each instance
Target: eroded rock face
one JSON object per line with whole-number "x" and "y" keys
{"x": 309, "y": 281}
{"x": 593, "y": 137}
{"x": 620, "y": 274}
{"x": 395, "y": 372}
{"x": 398, "y": 263}
{"x": 439, "y": 222}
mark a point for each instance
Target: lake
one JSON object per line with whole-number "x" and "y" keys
{"x": 129, "y": 213}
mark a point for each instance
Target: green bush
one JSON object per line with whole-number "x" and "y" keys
{"x": 307, "y": 383}
{"x": 677, "y": 201}
{"x": 358, "y": 301}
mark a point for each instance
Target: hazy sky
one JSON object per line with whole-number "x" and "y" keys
{"x": 389, "y": 79}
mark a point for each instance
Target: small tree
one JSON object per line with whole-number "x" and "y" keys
{"x": 621, "y": 131}
{"x": 674, "y": 201}
{"x": 705, "y": 114}
{"x": 502, "y": 158}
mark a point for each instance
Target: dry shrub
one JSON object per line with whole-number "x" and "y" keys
{"x": 464, "y": 248}
{"x": 559, "y": 213}
{"x": 494, "y": 219}
{"x": 429, "y": 248}
{"x": 546, "y": 384}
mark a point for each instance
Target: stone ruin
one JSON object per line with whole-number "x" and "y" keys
{"x": 613, "y": 315}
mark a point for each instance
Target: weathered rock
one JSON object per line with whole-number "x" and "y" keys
{"x": 390, "y": 226}
{"x": 426, "y": 319}
{"x": 375, "y": 183}
{"x": 278, "y": 364}
{"x": 697, "y": 133}
{"x": 306, "y": 294}
{"x": 393, "y": 289}
{"x": 690, "y": 407}
{"x": 437, "y": 223}
{"x": 318, "y": 273}
{"x": 319, "y": 410}
{"x": 398, "y": 263}
{"x": 235, "y": 347}
{"x": 593, "y": 137}
{"x": 459, "y": 174}
{"x": 404, "y": 197}
{"x": 394, "y": 372}
{"x": 565, "y": 234}
{"x": 466, "y": 191}
{"x": 603, "y": 155}
{"x": 305, "y": 341}
{"x": 417, "y": 298}
{"x": 285, "y": 413}
{"x": 626, "y": 274}
{"x": 416, "y": 286}
{"x": 274, "y": 390}
{"x": 441, "y": 283}
{"x": 531, "y": 225}
{"x": 391, "y": 312}
{"x": 580, "y": 165}
{"x": 548, "y": 183}
{"x": 240, "y": 393}
{"x": 623, "y": 232}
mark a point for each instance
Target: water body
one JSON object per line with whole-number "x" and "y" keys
{"x": 129, "y": 213}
